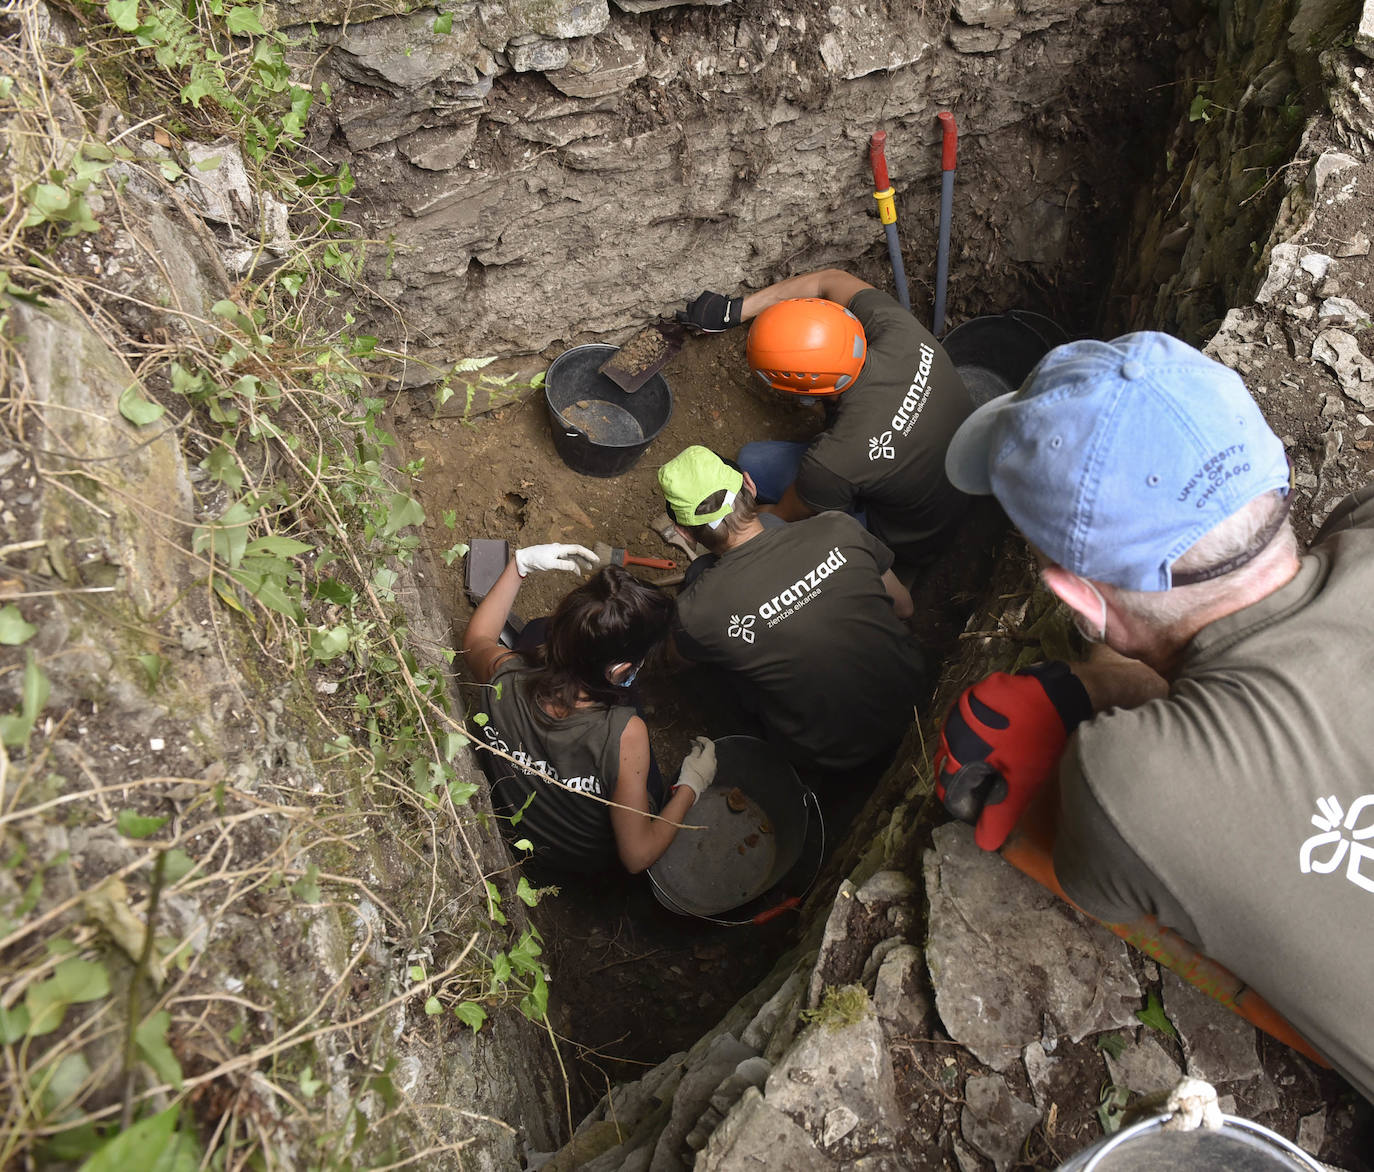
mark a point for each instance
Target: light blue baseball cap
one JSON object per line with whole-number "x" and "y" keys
{"x": 1115, "y": 457}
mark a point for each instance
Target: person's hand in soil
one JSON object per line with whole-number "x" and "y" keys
{"x": 698, "y": 767}
{"x": 555, "y": 556}
{"x": 712, "y": 313}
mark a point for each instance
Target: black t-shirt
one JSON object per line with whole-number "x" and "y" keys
{"x": 800, "y": 615}
{"x": 884, "y": 451}
{"x": 582, "y": 750}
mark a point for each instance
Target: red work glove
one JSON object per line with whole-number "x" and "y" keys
{"x": 1000, "y": 743}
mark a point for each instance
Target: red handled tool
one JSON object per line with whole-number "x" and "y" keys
{"x": 949, "y": 150}
{"x": 887, "y": 212}
{"x": 609, "y": 556}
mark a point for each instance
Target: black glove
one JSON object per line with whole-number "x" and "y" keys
{"x": 712, "y": 313}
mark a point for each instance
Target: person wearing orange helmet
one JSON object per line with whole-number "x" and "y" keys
{"x": 892, "y": 399}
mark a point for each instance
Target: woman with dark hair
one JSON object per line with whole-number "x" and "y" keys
{"x": 563, "y": 710}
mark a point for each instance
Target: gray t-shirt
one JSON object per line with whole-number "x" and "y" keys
{"x": 884, "y": 451}
{"x": 800, "y": 616}
{"x": 582, "y": 750}
{"x": 1240, "y": 808}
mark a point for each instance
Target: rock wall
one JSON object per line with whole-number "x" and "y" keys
{"x": 561, "y": 170}
{"x": 1241, "y": 146}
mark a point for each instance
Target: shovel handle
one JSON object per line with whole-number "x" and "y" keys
{"x": 876, "y": 146}
{"x": 949, "y": 148}
{"x": 773, "y": 913}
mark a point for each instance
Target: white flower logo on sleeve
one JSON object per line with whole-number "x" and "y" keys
{"x": 740, "y": 627}
{"x": 880, "y": 447}
{"x": 1334, "y": 825}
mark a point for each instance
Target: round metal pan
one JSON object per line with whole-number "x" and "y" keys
{"x": 740, "y": 854}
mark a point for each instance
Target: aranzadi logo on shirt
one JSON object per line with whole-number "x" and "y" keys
{"x": 914, "y": 401}
{"x": 787, "y": 602}
{"x": 585, "y": 785}
{"x": 1334, "y": 824}
{"x": 880, "y": 447}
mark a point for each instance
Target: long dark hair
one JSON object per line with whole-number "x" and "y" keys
{"x": 611, "y": 618}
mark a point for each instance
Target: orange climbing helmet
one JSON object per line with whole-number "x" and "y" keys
{"x": 807, "y": 346}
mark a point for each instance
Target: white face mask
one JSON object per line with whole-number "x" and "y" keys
{"x": 1099, "y": 635}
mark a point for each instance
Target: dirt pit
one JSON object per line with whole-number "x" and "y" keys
{"x": 635, "y": 982}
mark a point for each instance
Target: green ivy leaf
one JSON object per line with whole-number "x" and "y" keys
{"x": 142, "y": 1146}
{"x": 450, "y": 519}
{"x": 74, "y": 981}
{"x": 133, "y": 825}
{"x": 401, "y": 510}
{"x": 123, "y": 13}
{"x": 14, "y": 1024}
{"x": 243, "y": 20}
{"x": 178, "y": 865}
{"x": 1153, "y": 1015}
{"x": 137, "y": 408}
{"x": 525, "y": 893}
{"x": 228, "y": 536}
{"x": 13, "y": 629}
{"x": 153, "y": 666}
{"x": 444, "y": 23}
{"x": 471, "y": 1014}
{"x": 328, "y": 643}
{"x": 307, "y": 886}
{"x": 309, "y": 1084}
{"x": 276, "y": 546}
{"x": 33, "y": 695}
{"x": 535, "y": 1003}
{"x": 523, "y": 844}
{"x": 433, "y": 1008}
{"x": 461, "y": 792}
{"x": 480, "y": 719}
{"x": 417, "y": 972}
{"x": 500, "y": 970}
{"x": 1113, "y": 1044}
{"x": 151, "y": 1038}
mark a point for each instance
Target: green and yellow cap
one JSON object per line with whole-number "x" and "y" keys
{"x": 691, "y": 477}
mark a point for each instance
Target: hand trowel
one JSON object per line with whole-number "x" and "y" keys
{"x": 636, "y": 362}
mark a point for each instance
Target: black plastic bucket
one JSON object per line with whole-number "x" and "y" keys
{"x": 598, "y": 429}
{"x": 761, "y": 847}
{"x": 995, "y": 354}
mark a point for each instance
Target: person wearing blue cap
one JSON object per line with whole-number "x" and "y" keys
{"x": 1223, "y": 716}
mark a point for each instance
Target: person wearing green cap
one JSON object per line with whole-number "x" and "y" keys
{"x": 806, "y": 619}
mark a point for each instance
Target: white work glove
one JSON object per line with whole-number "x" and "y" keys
{"x": 554, "y": 557}
{"x": 698, "y": 767}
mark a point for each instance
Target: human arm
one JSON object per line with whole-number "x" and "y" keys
{"x": 713, "y": 313}
{"x": 640, "y": 840}
{"x": 831, "y": 284}
{"x": 901, "y": 597}
{"x": 482, "y": 648}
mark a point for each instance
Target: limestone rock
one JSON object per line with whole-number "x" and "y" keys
{"x": 655, "y": 5}
{"x": 1283, "y": 269}
{"x": 1219, "y": 1045}
{"x": 598, "y": 66}
{"x": 693, "y": 1096}
{"x": 1340, "y": 352}
{"x": 405, "y": 53}
{"x": 439, "y": 149}
{"x": 886, "y": 887}
{"x": 1328, "y": 165}
{"x": 1144, "y": 1067}
{"x": 1006, "y": 957}
{"x": 902, "y": 995}
{"x": 994, "y": 1120}
{"x": 829, "y": 1067}
{"x": 858, "y": 46}
{"x": 220, "y": 186}
{"x": 535, "y": 53}
{"x": 757, "y": 1135}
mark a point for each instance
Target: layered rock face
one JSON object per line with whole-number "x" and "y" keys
{"x": 562, "y": 170}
